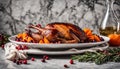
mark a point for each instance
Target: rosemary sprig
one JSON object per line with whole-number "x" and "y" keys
{"x": 100, "y": 57}
{"x": 3, "y": 39}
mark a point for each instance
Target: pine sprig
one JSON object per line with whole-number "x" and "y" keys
{"x": 100, "y": 57}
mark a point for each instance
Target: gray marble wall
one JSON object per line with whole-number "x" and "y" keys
{"x": 16, "y": 14}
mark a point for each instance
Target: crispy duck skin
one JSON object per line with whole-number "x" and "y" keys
{"x": 65, "y": 29}
{"x": 63, "y": 32}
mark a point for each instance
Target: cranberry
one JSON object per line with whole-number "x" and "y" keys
{"x": 2, "y": 46}
{"x": 20, "y": 61}
{"x": 25, "y": 61}
{"x": 71, "y": 61}
{"x": 33, "y": 59}
{"x": 65, "y": 65}
{"x": 38, "y": 25}
{"x": 14, "y": 60}
{"x": 47, "y": 58}
{"x": 19, "y": 47}
{"x": 24, "y": 47}
{"x": 16, "y": 47}
{"x": 101, "y": 39}
{"x": 43, "y": 60}
{"x": 17, "y": 62}
{"x": 44, "y": 56}
{"x": 17, "y": 39}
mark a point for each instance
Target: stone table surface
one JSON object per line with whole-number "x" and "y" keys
{"x": 55, "y": 62}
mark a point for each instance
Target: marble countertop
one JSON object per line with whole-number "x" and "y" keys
{"x": 55, "y": 62}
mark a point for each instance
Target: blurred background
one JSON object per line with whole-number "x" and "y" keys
{"x": 16, "y": 14}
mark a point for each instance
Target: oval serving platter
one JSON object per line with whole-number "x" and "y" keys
{"x": 53, "y": 46}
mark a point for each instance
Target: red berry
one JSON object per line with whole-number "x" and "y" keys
{"x": 43, "y": 60}
{"x": 44, "y": 56}
{"x": 17, "y": 39}
{"x": 2, "y": 46}
{"x": 47, "y": 58}
{"x": 16, "y": 47}
{"x": 17, "y": 62}
{"x": 19, "y": 47}
{"x": 24, "y": 47}
{"x": 14, "y": 60}
{"x": 65, "y": 65}
{"x": 33, "y": 59}
{"x": 25, "y": 61}
{"x": 71, "y": 61}
{"x": 38, "y": 25}
{"x": 20, "y": 61}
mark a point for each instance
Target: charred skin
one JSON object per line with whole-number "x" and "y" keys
{"x": 63, "y": 32}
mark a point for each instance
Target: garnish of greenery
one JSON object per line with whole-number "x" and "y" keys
{"x": 3, "y": 39}
{"x": 100, "y": 57}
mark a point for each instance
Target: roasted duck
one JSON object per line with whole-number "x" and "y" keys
{"x": 58, "y": 33}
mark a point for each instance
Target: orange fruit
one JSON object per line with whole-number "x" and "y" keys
{"x": 114, "y": 39}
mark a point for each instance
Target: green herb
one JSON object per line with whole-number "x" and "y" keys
{"x": 3, "y": 39}
{"x": 100, "y": 57}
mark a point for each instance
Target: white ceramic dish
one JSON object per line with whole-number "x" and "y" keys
{"x": 53, "y": 46}
{"x": 66, "y": 52}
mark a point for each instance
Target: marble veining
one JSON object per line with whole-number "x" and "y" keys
{"x": 16, "y": 14}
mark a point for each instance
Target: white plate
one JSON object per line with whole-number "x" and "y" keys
{"x": 66, "y": 52}
{"x": 53, "y": 46}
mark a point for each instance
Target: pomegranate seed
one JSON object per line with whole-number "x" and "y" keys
{"x": 71, "y": 61}
{"x": 25, "y": 61}
{"x": 43, "y": 60}
{"x": 33, "y": 59}
{"x": 2, "y": 46}
{"x": 65, "y": 65}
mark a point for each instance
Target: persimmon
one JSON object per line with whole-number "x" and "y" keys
{"x": 87, "y": 31}
{"x": 19, "y": 35}
{"x": 24, "y": 35}
{"x": 30, "y": 39}
{"x": 91, "y": 36}
{"x": 96, "y": 38}
{"x": 114, "y": 39}
{"x": 41, "y": 41}
{"x": 25, "y": 39}
{"x": 46, "y": 40}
